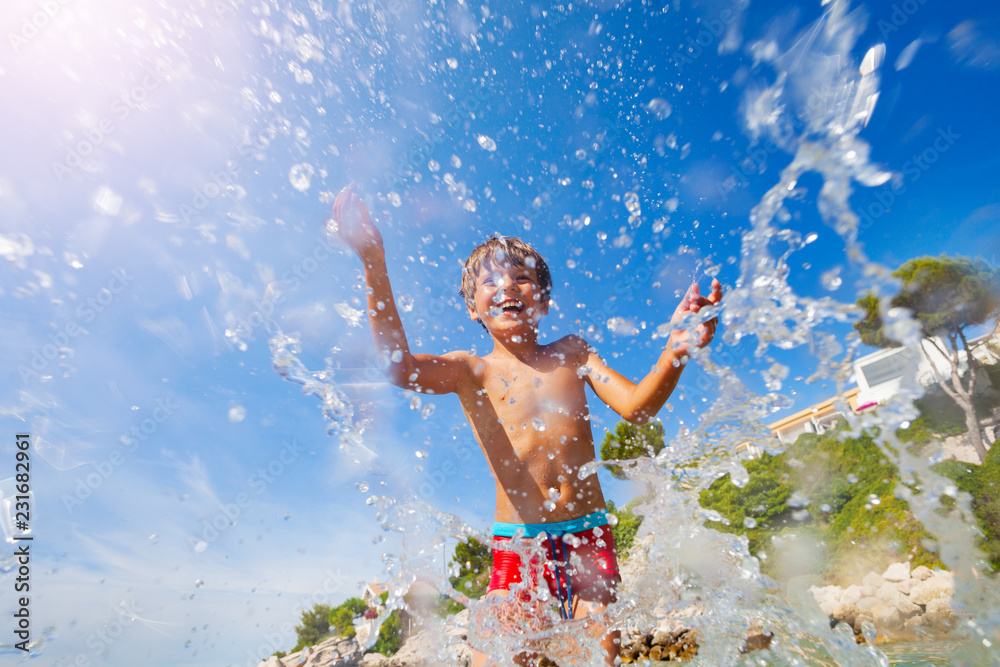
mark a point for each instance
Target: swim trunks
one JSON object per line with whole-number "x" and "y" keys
{"x": 574, "y": 556}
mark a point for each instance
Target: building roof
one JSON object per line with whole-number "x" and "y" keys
{"x": 818, "y": 410}
{"x": 376, "y": 588}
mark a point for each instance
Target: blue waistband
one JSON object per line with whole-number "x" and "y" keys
{"x": 580, "y": 524}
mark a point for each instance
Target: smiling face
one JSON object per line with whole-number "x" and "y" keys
{"x": 508, "y": 297}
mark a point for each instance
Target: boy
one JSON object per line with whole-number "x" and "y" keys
{"x": 526, "y": 404}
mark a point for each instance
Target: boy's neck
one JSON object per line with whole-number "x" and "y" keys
{"x": 522, "y": 346}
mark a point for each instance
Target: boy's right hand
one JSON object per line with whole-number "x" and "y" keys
{"x": 353, "y": 224}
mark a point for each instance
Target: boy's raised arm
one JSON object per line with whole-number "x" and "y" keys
{"x": 638, "y": 403}
{"x": 420, "y": 372}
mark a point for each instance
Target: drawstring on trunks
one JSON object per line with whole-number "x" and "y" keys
{"x": 565, "y": 604}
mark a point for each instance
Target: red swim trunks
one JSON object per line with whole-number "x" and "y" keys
{"x": 570, "y": 563}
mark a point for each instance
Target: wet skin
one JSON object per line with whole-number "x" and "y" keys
{"x": 522, "y": 385}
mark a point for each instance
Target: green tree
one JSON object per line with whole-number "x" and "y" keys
{"x": 314, "y": 627}
{"x": 342, "y": 616}
{"x": 754, "y": 508}
{"x": 947, "y": 295}
{"x": 625, "y": 530}
{"x": 475, "y": 561}
{"x": 630, "y": 441}
{"x": 390, "y": 634}
{"x": 983, "y": 484}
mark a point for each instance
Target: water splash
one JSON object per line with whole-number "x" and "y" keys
{"x": 337, "y": 409}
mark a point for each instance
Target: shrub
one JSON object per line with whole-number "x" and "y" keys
{"x": 390, "y": 635}
{"x": 982, "y": 482}
{"x": 627, "y": 527}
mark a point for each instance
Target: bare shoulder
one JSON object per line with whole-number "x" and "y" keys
{"x": 572, "y": 349}
{"x": 475, "y": 364}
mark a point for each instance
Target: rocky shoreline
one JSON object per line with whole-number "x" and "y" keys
{"x": 899, "y": 603}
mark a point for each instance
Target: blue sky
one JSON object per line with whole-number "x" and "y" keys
{"x": 163, "y": 167}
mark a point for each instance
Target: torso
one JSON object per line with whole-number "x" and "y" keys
{"x": 533, "y": 425}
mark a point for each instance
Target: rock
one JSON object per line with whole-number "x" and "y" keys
{"x": 846, "y": 613}
{"x": 914, "y": 625}
{"x": 891, "y": 596}
{"x": 874, "y": 580}
{"x": 867, "y": 602}
{"x": 342, "y": 650}
{"x": 757, "y": 642}
{"x": 930, "y": 589}
{"x": 828, "y": 597}
{"x": 662, "y": 637}
{"x": 861, "y": 619}
{"x": 940, "y": 615}
{"x": 867, "y": 590}
{"x": 921, "y": 573}
{"x": 373, "y": 660}
{"x": 887, "y": 617}
{"x": 417, "y": 651}
{"x": 851, "y": 595}
{"x": 897, "y": 572}
{"x": 905, "y": 586}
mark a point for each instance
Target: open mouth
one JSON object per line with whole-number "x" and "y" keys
{"x": 511, "y": 306}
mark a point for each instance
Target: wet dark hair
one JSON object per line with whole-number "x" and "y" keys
{"x": 503, "y": 250}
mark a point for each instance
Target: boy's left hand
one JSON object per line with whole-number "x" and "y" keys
{"x": 680, "y": 339}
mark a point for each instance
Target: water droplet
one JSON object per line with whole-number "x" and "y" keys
{"x": 405, "y": 303}
{"x": 200, "y": 546}
{"x": 831, "y": 279}
{"x": 427, "y": 411}
{"x": 873, "y": 499}
{"x": 852, "y": 479}
{"x": 486, "y": 143}
{"x": 631, "y": 200}
{"x": 237, "y": 413}
{"x": 300, "y": 176}
{"x": 415, "y": 403}
{"x": 749, "y": 522}
{"x": 452, "y": 62}
{"x": 549, "y": 505}
{"x": 107, "y": 202}
{"x": 198, "y": 583}
{"x": 362, "y": 487}
{"x": 154, "y": 538}
{"x": 536, "y": 383}
{"x": 396, "y": 356}
{"x": 660, "y": 108}
{"x": 434, "y": 165}
{"x": 421, "y": 454}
